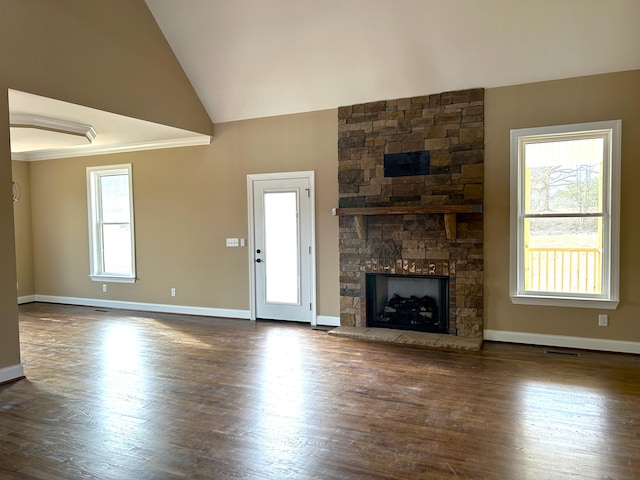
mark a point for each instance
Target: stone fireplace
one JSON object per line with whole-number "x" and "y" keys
{"x": 420, "y": 224}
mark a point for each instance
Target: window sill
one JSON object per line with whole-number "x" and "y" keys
{"x": 564, "y": 302}
{"x": 112, "y": 279}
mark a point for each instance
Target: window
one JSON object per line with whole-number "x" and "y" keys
{"x": 565, "y": 204}
{"x": 111, "y": 234}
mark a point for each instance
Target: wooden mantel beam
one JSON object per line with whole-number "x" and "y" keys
{"x": 450, "y": 215}
{"x": 408, "y": 210}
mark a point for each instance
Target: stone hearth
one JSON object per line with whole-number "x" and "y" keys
{"x": 415, "y": 339}
{"x": 450, "y": 126}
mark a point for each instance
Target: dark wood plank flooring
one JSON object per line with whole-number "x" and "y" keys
{"x": 129, "y": 395}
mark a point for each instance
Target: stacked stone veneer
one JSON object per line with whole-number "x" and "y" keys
{"x": 451, "y": 126}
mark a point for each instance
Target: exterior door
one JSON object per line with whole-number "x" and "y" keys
{"x": 281, "y": 246}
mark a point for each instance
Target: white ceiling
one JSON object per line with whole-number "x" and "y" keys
{"x": 256, "y": 58}
{"x": 114, "y": 133}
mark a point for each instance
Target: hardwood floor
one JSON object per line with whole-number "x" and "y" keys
{"x": 129, "y": 395}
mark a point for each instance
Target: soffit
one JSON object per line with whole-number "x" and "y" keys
{"x": 113, "y": 133}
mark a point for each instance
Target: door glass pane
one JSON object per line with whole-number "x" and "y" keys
{"x": 281, "y": 247}
{"x": 114, "y": 191}
{"x": 563, "y": 255}
{"x": 116, "y": 240}
{"x": 564, "y": 176}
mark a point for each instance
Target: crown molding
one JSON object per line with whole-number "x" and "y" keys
{"x": 26, "y": 120}
{"x": 94, "y": 150}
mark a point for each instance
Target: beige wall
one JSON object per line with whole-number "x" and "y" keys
{"x": 106, "y": 55}
{"x": 601, "y": 97}
{"x": 9, "y": 344}
{"x": 23, "y": 233}
{"x": 187, "y": 201}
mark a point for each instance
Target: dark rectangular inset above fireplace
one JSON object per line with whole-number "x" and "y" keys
{"x": 406, "y": 164}
{"x": 408, "y": 302}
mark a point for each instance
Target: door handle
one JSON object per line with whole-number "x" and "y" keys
{"x": 258, "y": 260}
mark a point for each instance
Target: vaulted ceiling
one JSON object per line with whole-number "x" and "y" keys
{"x": 259, "y": 58}
{"x": 256, "y": 58}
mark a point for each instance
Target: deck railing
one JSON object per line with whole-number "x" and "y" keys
{"x": 564, "y": 270}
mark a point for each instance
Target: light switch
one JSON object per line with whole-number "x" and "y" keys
{"x": 233, "y": 242}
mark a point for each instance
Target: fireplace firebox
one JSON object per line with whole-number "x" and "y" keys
{"x": 408, "y": 302}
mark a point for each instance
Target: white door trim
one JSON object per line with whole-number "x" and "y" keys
{"x": 310, "y": 176}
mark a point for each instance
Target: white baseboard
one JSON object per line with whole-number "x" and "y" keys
{"x": 328, "y": 321}
{"x": 12, "y": 372}
{"x": 26, "y": 299}
{"x": 162, "y": 308}
{"x": 563, "y": 341}
{"x": 146, "y": 307}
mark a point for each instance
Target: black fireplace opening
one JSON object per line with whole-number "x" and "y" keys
{"x": 408, "y": 302}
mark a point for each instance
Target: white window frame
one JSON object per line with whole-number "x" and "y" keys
{"x": 97, "y": 273}
{"x": 611, "y": 131}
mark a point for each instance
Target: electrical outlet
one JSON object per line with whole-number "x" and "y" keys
{"x": 173, "y": 292}
{"x": 104, "y": 287}
{"x": 603, "y": 320}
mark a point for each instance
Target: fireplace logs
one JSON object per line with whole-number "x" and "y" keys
{"x": 419, "y": 311}
{"x": 408, "y": 302}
